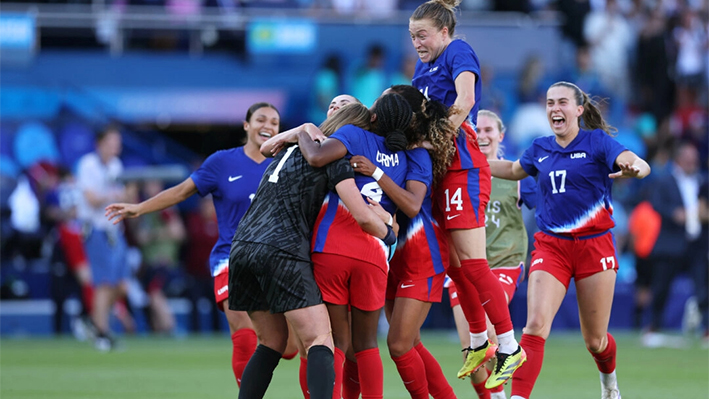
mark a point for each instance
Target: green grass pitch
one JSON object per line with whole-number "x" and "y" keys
{"x": 200, "y": 367}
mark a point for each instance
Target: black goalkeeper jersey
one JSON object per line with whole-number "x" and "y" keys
{"x": 288, "y": 200}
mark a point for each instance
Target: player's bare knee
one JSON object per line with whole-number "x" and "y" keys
{"x": 397, "y": 346}
{"x": 324, "y": 339}
{"x": 596, "y": 344}
{"x": 537, "y": 327}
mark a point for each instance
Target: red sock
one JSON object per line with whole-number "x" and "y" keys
{"x": 483, "y": 393}
{"x": 339, "y": 359}
{"x": 243, "y": 346}
{"x": 438, "y": 385}
{"x": 524, "y": 378}
{"x": 87, "y": 294}
{"x": 469, "y": 301}
{"x": 303, "y": 377}
{"x": 490, "y": 292}
{"x": 606, "y": 359}
{"x": 350, "y": 380}
{"x": 289, "y": 356}
{"x": 371, "y": 373}
{"x": 413, "y": 373}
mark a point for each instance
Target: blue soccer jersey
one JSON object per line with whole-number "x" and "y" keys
{"x": 422, "y": 250}
{"x": 436, "y": 79}
{"x": 336, "y": 231}
{"x": 232, "y": 178}
{"x": 573, "y": 187}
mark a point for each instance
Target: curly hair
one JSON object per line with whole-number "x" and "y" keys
{"x": 431, "y": 124}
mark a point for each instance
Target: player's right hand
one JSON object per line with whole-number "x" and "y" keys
{"x": 118, "y": 212}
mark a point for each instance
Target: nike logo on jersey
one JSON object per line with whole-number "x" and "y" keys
{"x": 452, "y": 217}
{"x": 407, "y": 285}
{"x": 234, "y": 178}
{"x": 541, "y": 159}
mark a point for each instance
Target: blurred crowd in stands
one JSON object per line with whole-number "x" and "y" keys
{"x": 646, "y": 61}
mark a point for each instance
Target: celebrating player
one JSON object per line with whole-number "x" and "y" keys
{"x": 350, "y": 267}
{"x": 270, "y": 272}
{"x": 418, "y": 266}
{"x": 574, "y": 171}
{"x": 448, "y": 71}
{"x": 231, "y": 176}
{"x": 506, "y": 237}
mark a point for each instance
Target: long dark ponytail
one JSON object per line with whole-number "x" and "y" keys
{"x": 393, "y": 118}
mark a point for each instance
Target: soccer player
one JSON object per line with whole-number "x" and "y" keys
{"x": 448, "y": 71}
{"x": 574, "y": 169}
{"x": 506, "y": 237}
{"x": 419, "y": 263}
{"x": 271, "y": 274}
{"x": 231, "y": 176}
{"x": 350, "y": 267}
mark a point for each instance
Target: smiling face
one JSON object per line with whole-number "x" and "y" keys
{"x": 339, "y": 102}
{"x": 563, "y": 112}
{"x": 262, "y": 125}
{"x": 489, "y": 136}
{"x": 428, "y": 40}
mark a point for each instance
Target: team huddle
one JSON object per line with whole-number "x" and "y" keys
{"x": 381, "y": 208}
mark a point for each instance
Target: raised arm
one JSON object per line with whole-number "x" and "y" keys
{"x": 507, "y": 170}
{"x": 320, "y": 154}
{"x": 276, "y": 143}
{"x": 630, "y": 165}
{"x": 164, "y": 199}
{"x": 465, "y": 100}
{"x": 408, "y": 200}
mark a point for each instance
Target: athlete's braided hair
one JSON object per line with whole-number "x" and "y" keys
{"x": 431, "y": 124}
{"x": 440, "y": 12}
{"x": 591, "y": 116}
{"x": 393, "y": 118}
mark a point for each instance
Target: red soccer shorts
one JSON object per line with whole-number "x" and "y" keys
{"x": 425, "y": 290}
{"x": 346, "y": 281}
{"x": 578, "y": 258}
{"x": 221, "y": 287}
{"x": 461, "y": 198}
{"x": 509, "y": 278}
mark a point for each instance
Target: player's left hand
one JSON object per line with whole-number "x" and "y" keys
{"x": 626, "y": 171}
{"x": 383, "y": 214}
{"x": 362, "y": 165}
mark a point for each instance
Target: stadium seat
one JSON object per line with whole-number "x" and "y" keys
{"x": 34, "y": 142}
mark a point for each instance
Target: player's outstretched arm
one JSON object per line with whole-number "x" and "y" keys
{"x": 320, "y": 154}
{"x": 164, "y": 199}
{"x": 507, "y": 170}
{"x": 465, "y": 99}
{"x": 408, "y": 200}
{"x": 367, "y": 219}
{"x": 630, "y": 165}
{"x": 276, "y": 143}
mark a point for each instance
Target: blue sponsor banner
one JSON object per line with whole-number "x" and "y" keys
{"x": 281, "y": 36}
{"x": 18, "y": 37}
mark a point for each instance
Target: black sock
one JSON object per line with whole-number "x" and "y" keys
{"x": 321, "y": 372}
{"x": 258, "y": 373}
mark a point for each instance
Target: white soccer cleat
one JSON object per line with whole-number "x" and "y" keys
{"x": 612, "y": 393}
